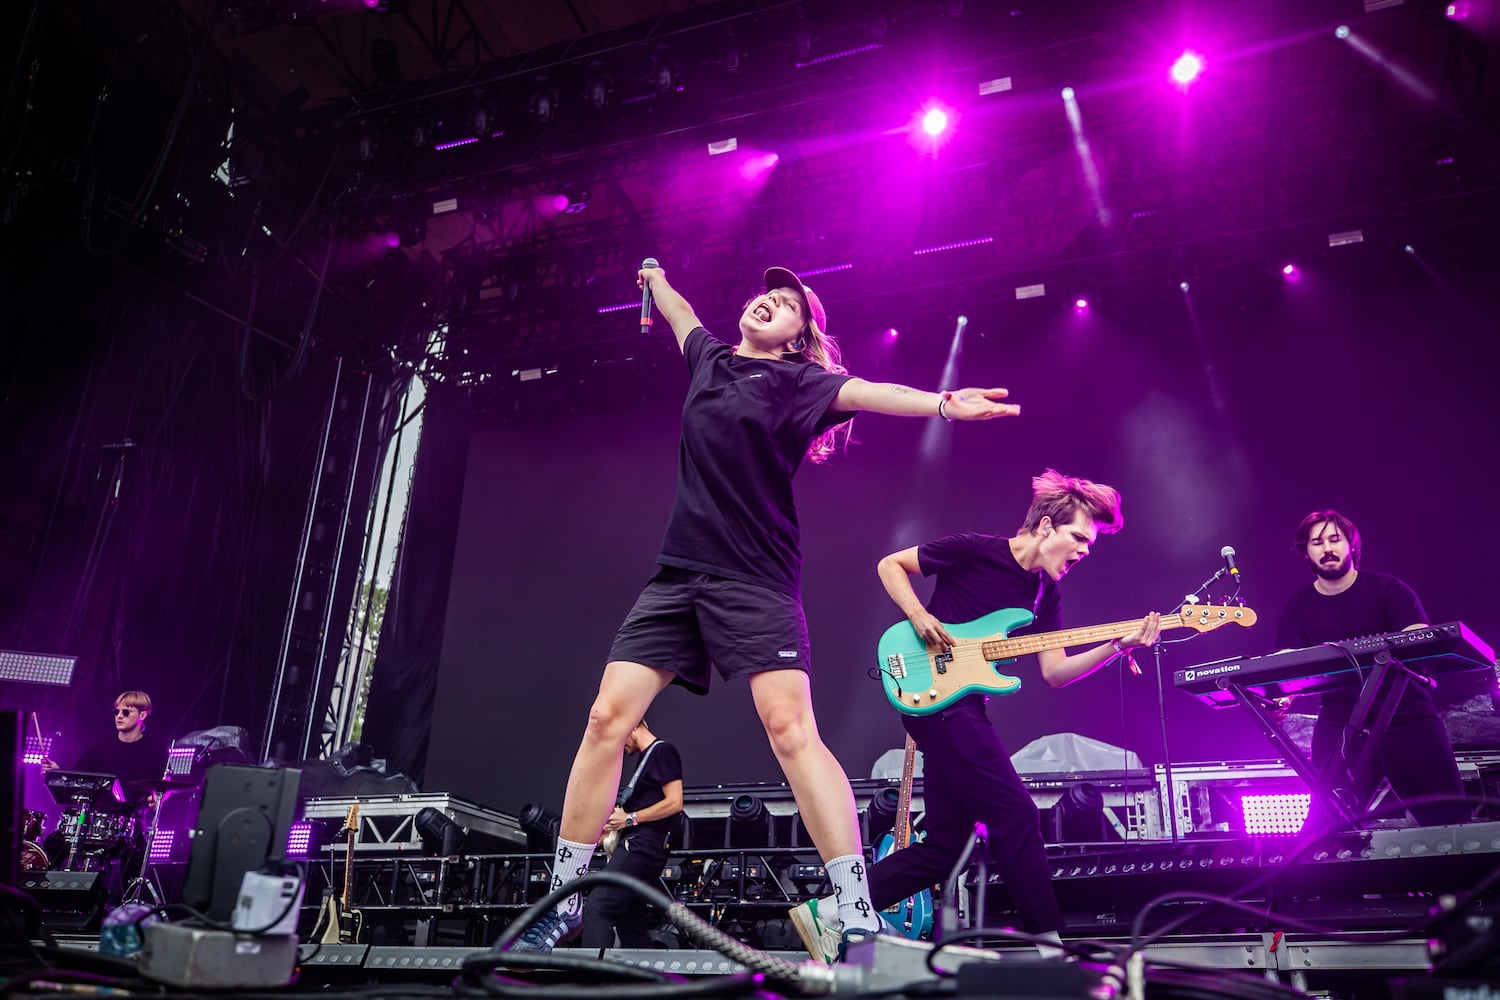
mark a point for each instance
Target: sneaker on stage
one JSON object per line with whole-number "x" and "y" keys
{"x": 854, "y": 935}
{"x": 817, "y": 923}
{"x": 549, "y": 932}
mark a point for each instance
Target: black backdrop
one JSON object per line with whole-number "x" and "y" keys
{"x": 1368, "y": 392}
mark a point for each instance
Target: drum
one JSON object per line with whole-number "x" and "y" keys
{"x": 106, "y": 828}
{"x": 33, "y": 824}
{"x": 33, "y": 857}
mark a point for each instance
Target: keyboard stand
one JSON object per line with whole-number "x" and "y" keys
{"x": 1332, "y": 789}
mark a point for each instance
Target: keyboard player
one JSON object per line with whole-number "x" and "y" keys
{"x": 1344, "y": 601}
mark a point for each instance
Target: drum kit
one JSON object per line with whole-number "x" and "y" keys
{"x": 102, "y": 820}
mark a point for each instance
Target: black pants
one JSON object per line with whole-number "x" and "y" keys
{"x": 1414, "y": 755}
{"x": 642, "y": 854}
{"x": 967, "y": 777}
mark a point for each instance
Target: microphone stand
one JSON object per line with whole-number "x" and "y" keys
{"x": 1170, "y": 788}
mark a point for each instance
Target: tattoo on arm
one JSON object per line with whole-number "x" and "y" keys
{"x": 901, "y": 390}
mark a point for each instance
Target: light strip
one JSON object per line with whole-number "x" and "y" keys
{"x": 840, "y": 55}
{"x": 953, "y": 246}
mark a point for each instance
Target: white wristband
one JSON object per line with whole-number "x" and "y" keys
{"x": 1118, "y": 646}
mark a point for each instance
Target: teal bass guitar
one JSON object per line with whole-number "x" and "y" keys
{"x": 920, "y": 679}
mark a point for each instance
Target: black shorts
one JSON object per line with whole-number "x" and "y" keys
{"x": 684, "y": 621}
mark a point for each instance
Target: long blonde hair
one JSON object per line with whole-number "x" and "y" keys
{"x": 822, "y": 350}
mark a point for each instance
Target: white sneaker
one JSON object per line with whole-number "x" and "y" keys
{"x": 818, "y": 925}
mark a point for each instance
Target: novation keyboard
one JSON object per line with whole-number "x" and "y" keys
{"x": 1436, "y": 649}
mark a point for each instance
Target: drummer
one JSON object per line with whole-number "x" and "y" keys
{"x": 132, "y": 755}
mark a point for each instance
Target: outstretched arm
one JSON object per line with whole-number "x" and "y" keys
{"x": 1060, "y": 669}
{"x": 673, "y": 307}
{"x": 904, "y": 401}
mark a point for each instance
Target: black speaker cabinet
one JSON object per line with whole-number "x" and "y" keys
{"x": 70, "y": 901}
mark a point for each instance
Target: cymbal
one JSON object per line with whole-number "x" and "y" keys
{"x": 159, "y": 785}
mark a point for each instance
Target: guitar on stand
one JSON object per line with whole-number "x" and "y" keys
{"x": 340, "y": 922}
{"x": 912, "y": 916}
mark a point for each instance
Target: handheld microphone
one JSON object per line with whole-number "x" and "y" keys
{"x": 646, "y": 296}
{"x": 1228, "y": 553}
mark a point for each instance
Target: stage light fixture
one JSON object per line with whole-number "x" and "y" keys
{"x": 934, "y": 121}
{"x": 666, "y": 73}
{"x": 802, "y": 42}
{"x": 574, "y": 199}
{"x": 1277, "y": 813}
{"x": 539, "y": 823}
{"x": 1187, "y": 68}
{"x": 36, "y": 668}
{"x": 440, "y": 835}
{"x": 749, "y": 822}
{"x": 1068, "y": 94}
{"x": 543, "y": 105}
{"x": 880, "y": 815}
{"x": 1341, "y": 32}
{"x": 597, "y": 91}
{"x": 732, "y": 56}
{"x": 1078, "y": 817}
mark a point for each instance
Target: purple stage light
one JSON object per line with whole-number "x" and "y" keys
{"x": 180, "y": 760}
{"x": 620, "y": 307}
{"x": 466, "y": 141}
{"x": 891, "y": 333}
{"x": 560, "y": 203}
{"x": 920, "y": 251}
{"x": 1282, "y": 813}
{"x": 755, "y": 168}
{"x": 390, "y": 239}
{"x": 1081, "y": 304}
{"x": 1291, "y": 272}
{"x": 934, "y": 121}
{"x": 1187, "y": 67}
{"x": 161, "y": 846}
{"x": 1459, "y": 11}
{"x": 299, "y": 840}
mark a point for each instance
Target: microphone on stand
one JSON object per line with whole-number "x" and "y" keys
{"x": 649, "y": 262}
{"x": 1228, "y": 553}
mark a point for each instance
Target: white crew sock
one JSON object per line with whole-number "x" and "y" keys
{"x": 851, "y": 885}
{"x": 570, "y": 861}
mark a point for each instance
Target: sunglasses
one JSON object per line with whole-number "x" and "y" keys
{"x": 124, "y": 711}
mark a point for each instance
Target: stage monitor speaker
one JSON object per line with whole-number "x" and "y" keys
{"x": 12, "y": 741}
{"x": 70, "y": 901}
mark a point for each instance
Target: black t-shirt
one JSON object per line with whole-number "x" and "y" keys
{"x": 746, "y": 425}
{"x": 1373, "y": 603}
{"x": 977, "y": 574}
{"x": 144, "y": 759}
{"x": 663, "y": 767}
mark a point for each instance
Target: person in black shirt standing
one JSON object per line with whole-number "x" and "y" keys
{"x": 727, "y": 593}
{"x": 648, "y": 814}
{"x": 1342, "y": 602}
{"x": 968, "y": 776}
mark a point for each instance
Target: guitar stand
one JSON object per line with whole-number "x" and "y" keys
{"x": 1333, "y": 788}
